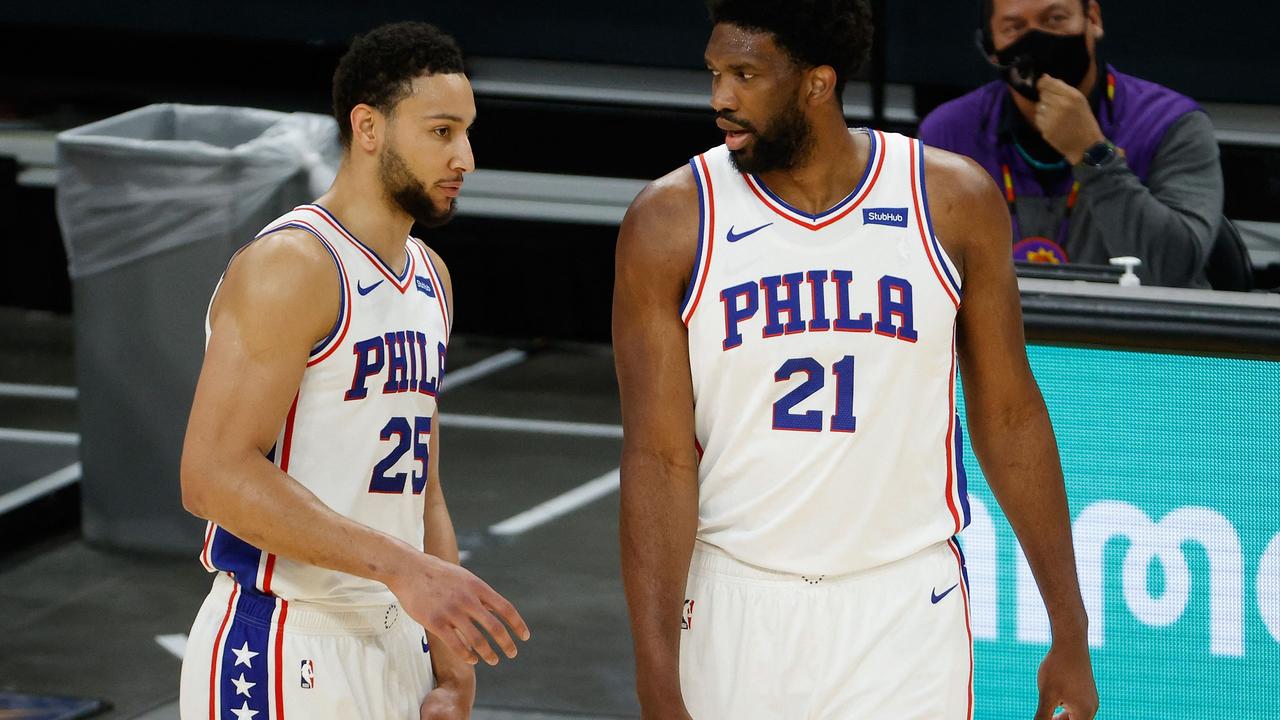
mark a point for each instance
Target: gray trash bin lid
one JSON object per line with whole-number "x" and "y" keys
{"x": 129, "y": 184}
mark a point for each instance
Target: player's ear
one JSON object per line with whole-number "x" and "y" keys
{"x": 820, "y": 84}
{"x": 366, "y": 127}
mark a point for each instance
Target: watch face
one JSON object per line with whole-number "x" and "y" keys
{"x": 1099, "y": 154}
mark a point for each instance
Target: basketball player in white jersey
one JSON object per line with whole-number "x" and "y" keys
{"x": 313, "y": 444}
{"x": 789, "y": 309}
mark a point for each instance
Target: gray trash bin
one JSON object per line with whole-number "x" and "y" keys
{"x": 152, "y": 204}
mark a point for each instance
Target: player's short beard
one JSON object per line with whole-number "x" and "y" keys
{"x": 786, "y": 143}
{"x": 408, "y": 192}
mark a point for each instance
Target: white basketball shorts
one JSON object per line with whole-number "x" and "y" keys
{"x": 889, "y": 643}
{"x": 253, "y": 657}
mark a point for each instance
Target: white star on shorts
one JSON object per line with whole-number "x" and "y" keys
{"x": 244, "y": 713}
{"x": 244, "y": 655}
{"x": 242, "y": 687}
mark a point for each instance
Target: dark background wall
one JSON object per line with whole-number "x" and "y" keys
{"x": 1223, "y": 51}
{"x": 70, "y": 61}
{"x": 671, "y": 32}
{"x": 1214, "y": 51}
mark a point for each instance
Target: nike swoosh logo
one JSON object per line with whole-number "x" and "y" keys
{"x": 936, "y": 598}
{"x": 735, "y": 237}
{"x": 367, "y": 290}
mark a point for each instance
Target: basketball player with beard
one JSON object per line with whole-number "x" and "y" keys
{"x": 313, "y": 443}
{"x": 788, "y": 324}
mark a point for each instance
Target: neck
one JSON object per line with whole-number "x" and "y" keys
{"x": 357, "y": 200}
{"x": 831, "y": 171}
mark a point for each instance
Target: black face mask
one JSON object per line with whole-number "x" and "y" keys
{"x": 1037, "y": 53}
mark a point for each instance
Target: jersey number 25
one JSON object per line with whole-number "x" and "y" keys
{"x": 417, "y": 436}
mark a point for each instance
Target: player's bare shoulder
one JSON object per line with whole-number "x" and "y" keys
{"x": 964, "y": 204}
{"x": 287, "y": 273}
{"x": 660, "y": 230}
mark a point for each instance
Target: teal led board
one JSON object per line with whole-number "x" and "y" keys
{"x": 1172, "y": 464}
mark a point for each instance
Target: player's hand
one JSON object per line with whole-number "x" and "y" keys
{"x": 448, "y": 702}
{"x": 678, "y": 712}
{"x": 1065, "y": 119}
{"x": 1066, "y": 681}
{"x": 658, "y": 686}
{"x": 450, "y": 603}
{"x": 667, "y": 706}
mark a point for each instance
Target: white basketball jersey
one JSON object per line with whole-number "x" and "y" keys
{"x": 357, "y": 434}
{"x": 822, "y": 349}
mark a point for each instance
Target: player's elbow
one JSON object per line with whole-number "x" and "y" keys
{"x": 998, "y": 427}
{"x": 659, "y": 464}
{"x": 196, "y": 484}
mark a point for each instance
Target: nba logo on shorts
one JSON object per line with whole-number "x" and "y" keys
{"x": 686, "y": 620}
{"x": 308, "y": 675}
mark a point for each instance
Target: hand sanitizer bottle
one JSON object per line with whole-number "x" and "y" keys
{"x": 1128, "y": 262}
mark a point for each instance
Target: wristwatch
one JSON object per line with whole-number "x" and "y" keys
{"x": 1098, "y": 154}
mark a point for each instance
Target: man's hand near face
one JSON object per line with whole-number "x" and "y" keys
{"x": 1065, "y": 120}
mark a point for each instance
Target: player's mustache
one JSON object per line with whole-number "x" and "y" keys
{"x": 730, "y": 117}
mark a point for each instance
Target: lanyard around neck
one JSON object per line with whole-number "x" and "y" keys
{"x": 1011, "y": 197}
{"x": 1011, "y": 194}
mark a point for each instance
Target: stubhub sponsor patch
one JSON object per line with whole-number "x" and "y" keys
{"x": 424, "y": 285}
{"x": 895, "y": 217}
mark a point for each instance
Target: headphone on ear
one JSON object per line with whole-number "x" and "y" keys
{"x": 982, "y": 36}
{"x": 982, "y": 41}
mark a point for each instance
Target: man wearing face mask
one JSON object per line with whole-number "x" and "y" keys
{"x": 1093, "y": 163}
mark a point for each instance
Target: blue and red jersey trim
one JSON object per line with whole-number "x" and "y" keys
{"x": 954, "y": 547}
{"x": 962, "y": 480}
{"x": 706, "y": 238}
{"x": 875, "y": 162}
{"x": 435, "y": 280}
{"x": 949, "y": 447}
{"x": 401, "y": 281}
{"x": 342, "y": 322}
{"x": 215, "y": 666}
{"x": 223, "y": 551}
{"x": 246, "y": 670}
{"x": 326, "y": 347}
{"x": 938, "y": 260}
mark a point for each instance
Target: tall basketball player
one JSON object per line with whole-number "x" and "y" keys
{"x": 313, "y": 444}
{"x": 788, "y": 314}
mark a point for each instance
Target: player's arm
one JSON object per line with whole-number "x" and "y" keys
{"x": 455, "y": 690}
{"x": 279, "y": 297}
{"x": 1008, "y": 421}
{"x": 655, "y": 255}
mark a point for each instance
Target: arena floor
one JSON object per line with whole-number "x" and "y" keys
{"x": 525, "y": 426}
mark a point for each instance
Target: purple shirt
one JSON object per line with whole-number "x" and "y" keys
{"x": 1161, "y": 200}
{"x": 1134, "y": 121}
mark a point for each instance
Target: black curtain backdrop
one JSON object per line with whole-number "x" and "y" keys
{"x": 1224, "y": 52}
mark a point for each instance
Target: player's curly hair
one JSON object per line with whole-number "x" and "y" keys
{"x": 811, "y": 32}
{"x": 380, "y": 66}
